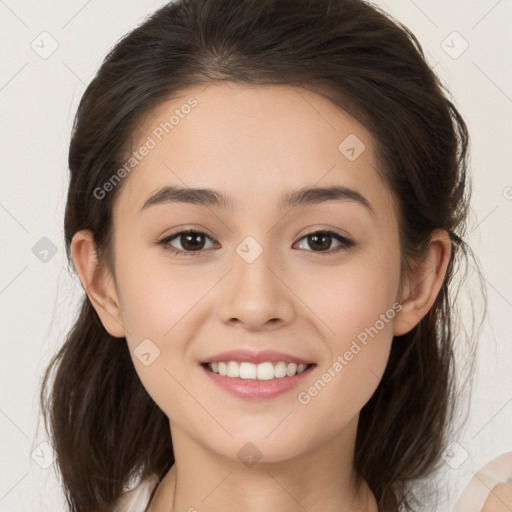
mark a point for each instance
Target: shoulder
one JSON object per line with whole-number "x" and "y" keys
{"x": 500, "y": 498}
{"x": 137, "y": 498}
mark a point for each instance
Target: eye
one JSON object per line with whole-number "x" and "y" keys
{"x": 322, "y": 240}
{"x": 190, "y": 240}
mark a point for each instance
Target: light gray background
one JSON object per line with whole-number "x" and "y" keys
{"x": 38, "y": 98}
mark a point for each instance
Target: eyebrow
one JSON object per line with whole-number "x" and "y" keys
{"x": 300, "y": 197}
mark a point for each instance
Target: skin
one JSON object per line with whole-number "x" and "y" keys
{"x": 253, "y": 143}
{"x": 500, "y": 498}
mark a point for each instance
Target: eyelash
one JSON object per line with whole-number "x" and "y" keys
{"x": 345, "y": 242}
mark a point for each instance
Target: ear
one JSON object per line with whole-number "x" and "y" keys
{"x": 423, "y": 285}
{"x": 98, "y": 283}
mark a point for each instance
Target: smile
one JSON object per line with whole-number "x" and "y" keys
{"x": 262, "y": 371}
{"x": 262, "y": 381}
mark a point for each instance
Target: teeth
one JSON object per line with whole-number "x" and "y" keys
{"x": 262, "y": 371}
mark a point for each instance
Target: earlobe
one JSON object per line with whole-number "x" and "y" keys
{"x": 425, "y": 281}
{"x": 97, "y": 282}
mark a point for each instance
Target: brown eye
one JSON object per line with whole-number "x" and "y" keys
{"x": 191, "y": 241}
{"x": 320, "y": 241}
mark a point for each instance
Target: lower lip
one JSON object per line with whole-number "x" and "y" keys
{"x": 252, "y": 388}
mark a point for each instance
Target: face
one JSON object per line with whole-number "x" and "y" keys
{"x": 257, "y": 274}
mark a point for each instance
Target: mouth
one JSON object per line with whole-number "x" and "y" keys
{"x": 263, "y": 381}
{"x": 265, "y": 371}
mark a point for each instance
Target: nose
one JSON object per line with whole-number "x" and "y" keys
{"x": 255, "y": 295}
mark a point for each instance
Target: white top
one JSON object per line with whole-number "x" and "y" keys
{"x": 137, "y": 498}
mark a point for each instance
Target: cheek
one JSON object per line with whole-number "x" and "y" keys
{"x": 161, "y": 308}
{"x": 355, "y": 307}
{"x": 352, "y": 297}
{"x": 156, "y": 294}
{"x": 156, "y": 305}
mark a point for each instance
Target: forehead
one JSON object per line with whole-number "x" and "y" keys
{"x": 253, "y": 144}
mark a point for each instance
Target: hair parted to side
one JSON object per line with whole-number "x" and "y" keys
{"x": 104, "y": 426}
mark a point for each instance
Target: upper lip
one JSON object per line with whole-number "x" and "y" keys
{"x": 250, "y": 356}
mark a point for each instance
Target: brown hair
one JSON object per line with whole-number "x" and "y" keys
{"x": 361, "y": 60}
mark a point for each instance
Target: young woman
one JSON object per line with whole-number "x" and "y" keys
{"x": 266, "y": 210}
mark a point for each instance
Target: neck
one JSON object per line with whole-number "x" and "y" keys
{"x": 315, "y": 482}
